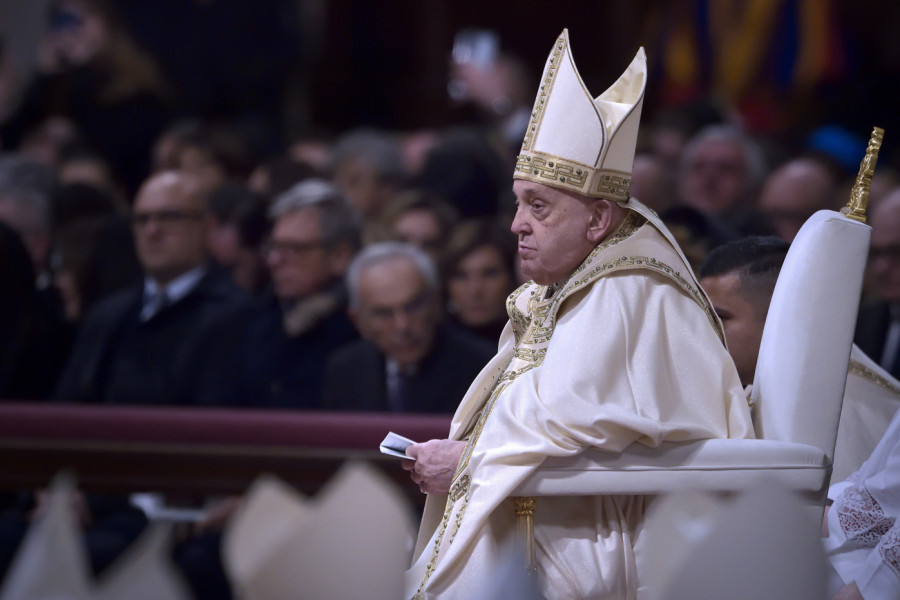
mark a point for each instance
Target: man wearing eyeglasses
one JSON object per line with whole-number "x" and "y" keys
{"x": 878, "y": 326}
{"x": 315, "y": 233}
{"x": 408, "y": 361}
{"x": 167, "y": 342}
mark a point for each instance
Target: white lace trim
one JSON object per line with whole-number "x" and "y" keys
{"x": 889, "y": 549}
{"x": 861, "y": 518}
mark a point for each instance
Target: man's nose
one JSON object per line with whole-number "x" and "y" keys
{"x": 401, "y": 320}
{"x": 519, "y": 224}
{"x": 152, "y": 228}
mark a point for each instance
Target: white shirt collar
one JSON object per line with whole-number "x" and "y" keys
{"x": 176, "y": 289}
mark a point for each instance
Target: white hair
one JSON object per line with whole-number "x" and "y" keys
{"x": 304, "y": 195}
{"x": 338, "y": 221}
{"x": 29, "y": 187}
{"x": 377, "y": 149}
{"x": 385, "y": 252}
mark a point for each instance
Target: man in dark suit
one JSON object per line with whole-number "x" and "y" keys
{"x": 282, "y": 354}
{"x": 878, "y": 325}
{"x": 408, "y": 361}
{"x": 166, "y": 342}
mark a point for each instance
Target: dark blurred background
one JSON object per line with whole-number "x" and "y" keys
{"x": 312, "y": 67}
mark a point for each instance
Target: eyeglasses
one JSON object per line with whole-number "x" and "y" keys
{"x": 165, "y": 217}
{"x": 290, "y": 249}
{"x": 381, "y": 315}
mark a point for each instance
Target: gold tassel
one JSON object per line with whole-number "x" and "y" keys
{"x": 524, "y": 507}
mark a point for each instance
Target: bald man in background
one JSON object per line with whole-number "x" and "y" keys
{"x": 165, "y": 342}
{"x": 796, "y": 190}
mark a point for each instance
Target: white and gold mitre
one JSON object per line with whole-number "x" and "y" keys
{"x": 579, "y": 143}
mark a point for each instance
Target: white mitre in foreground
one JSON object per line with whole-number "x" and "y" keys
{"x": 52, "y": 563}
{"x": 351, "y": 541}
{"x": 579, "y": 143}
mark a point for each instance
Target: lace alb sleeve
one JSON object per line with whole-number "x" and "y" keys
{"x": 865, "y": 524}
{"x": 862, "y": 519}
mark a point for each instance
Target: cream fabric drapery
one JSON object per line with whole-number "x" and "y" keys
{"x": 628, "y": 350}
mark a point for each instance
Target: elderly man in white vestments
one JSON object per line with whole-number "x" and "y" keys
{"x": 612, "y": 343}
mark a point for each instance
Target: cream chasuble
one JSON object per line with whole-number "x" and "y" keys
{"x": 627, "y": 350}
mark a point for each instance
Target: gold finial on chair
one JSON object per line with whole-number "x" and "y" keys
{"x": 859, "y": 195}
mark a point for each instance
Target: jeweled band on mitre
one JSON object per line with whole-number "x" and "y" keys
{"x": 576, "y": 177}
{"x": 577, "y": 142}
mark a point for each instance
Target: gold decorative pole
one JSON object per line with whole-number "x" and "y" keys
{"x": 524, "y": 507}
{"x": 859, "y": 195}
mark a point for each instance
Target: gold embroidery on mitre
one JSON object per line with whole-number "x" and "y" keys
{"x": 537, "y": 112}
{"x": 554, "y": 171}
{"x": 613, "y": 186}
{"x": 586, "y": 173}
{"x": 544, "y": 168}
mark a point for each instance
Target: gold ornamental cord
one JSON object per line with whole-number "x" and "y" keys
{"x": 859, "y": 195}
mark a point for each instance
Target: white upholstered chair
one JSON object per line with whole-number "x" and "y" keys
{"x": 798, "y": 387}
{"x": 707, "y": 547}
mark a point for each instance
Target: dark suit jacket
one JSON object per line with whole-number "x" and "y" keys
{"x": 355, "y": 379}
{"x": 871, "y": 333}
{"x": 276, "y": 370}
{"x": 177, "y": 357}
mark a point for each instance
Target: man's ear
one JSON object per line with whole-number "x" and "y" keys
{"x": 604, "y": 218}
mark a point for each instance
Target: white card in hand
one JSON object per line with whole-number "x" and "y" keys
{"x": 396, "y": 445}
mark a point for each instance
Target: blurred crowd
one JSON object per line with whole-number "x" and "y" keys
{"x": 153, "y": 257}
{"x": 159, "y": 258}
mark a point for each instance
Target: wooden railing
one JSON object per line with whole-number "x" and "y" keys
{"x": 195, "y": 450}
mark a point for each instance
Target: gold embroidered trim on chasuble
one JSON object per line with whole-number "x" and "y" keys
{"x": 860, "y": 370}
{"x": 533, "y": 327}
{"x": 520, "y": 321}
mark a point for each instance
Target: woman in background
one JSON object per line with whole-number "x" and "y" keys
{"x": 479, "y": 275}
